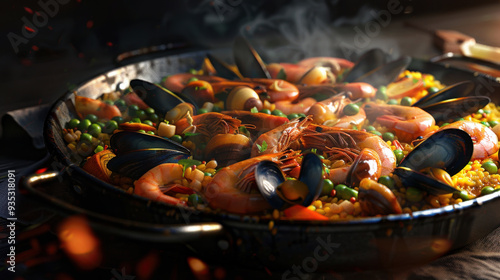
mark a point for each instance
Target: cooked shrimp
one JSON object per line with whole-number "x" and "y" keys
{"x": 330, "y": 112}
{"x": 407, "y": 123}
{"x": 280, "y": 138}
{"x": 322, "y": 138}
{"x": 177, "y": 82}
{"x": 149, "y": 184}
{"x": 233, "y": 187}
{"x": 484, "y": 139}
{"x": 208, "y": 124}
{"x": 299, "y": 74}
{"x": 298, "y": 106}
{"x": 277, "y": 89}
{"x": 102, "y": 110}
{"x": 257, "y": 123}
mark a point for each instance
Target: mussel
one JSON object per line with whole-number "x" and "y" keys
{"x": 449, "y": 150}
{"x": 452, "y": 102}
{"x": 386, "y": 73}
{"x": 223, "y": 69}
{"x": 157, "y": 97}
{"x": 280, "y": 192}
{"x": 248, "y": 61}
{"x": 368, "y": 61}
{"x": 136, "y": 153}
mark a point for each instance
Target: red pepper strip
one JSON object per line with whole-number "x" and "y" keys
{"x": 397, "y": 144}
{"x": 299, "y": 212}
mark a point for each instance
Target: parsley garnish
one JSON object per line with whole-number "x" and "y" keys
{"x": 281, "y": 74}
{"x": 187, "y": 163}
{"x": 263, "y": 147}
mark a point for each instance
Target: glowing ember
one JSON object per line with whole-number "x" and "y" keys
{"x": 199, "y": 268}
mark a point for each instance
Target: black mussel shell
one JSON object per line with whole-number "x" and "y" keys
{"x": 368, "y": 61}
{"x": 135, "y": 163}
{"x": 411, "y": 178}
{"x": 157, "y": 97}
{"x": 311, "y": 173}
{"x": 268, "y": 176}
{"x": 223, "y": 70}
{"x": 248, "y": 61}
{"x": 449, "y": 149}
{"x": 129, "y": 141}
{"x": 385, "y": 74}
{"x": 456, "y": 108}
{"x": 457, "y": 90}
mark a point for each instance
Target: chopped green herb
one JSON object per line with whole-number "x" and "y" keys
{"x": 281, "y": 74}
{"x": 263, "y": 147}
{"x": 254, "y": 110}
{"x": 187, "y": 134}
{"x": 187, "y": 163}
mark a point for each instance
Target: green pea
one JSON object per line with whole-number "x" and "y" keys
{"x": 381, "y": 93}
{"x": 292, "y": 116}
{"x": 148, "y": 122}
{"x": 217, "y": 109}
{"x": 135, "y": 120}
{"x": 194, "y": 199}
{"x": 370, "y": 128}
{"x": 101, "y": 124}
{"x": 120, "y": 103}
{"x": 141, "y": 114}
{"x": 490, "y": 167}
{"x": 132, "y": 109}
{"x": 110, "y": 126}
{"x": 94, "y": 129}
{"x": 344, "y": 192}
{"x": 193, "y": 71}
{"x": 150, "y": 132}
{"x": 176, "y": 138}
{"x": 202, "y": 111}
{"x": 392, "y": 102}
{"x": 399, "y": 155}
{"x": 302, "y": 115}
{"x": 327, "y": 187}
{"x": 266, "y": 111}
{"x": 376, "y": 132}
{"x": 149, "y": 111}
{"x": 351, "y": 109}
{"x": 487, "y": 124}
{"x": 277, "y": 112}
{"x": 141, "y": 131}
{"x": 91, "y": 117}
{"x": 192, "y": 79}
{"x": 387, "y": 181}
{"x": 388, "y": 136}
{"x": 73, "y": 123}
{"x": 487, "y": 190}
{"x": 493, "y": 123}
{"x": 154, "y": 118}
{"x": 406, "y": 101}
{"x": 480, "y": 111}
{"x": 86, "y": 138}
{"x": 98, "y": 149}
{"x": 207, "y": 174}
{"x": 84, "y": 124}
{"x": 414, "y": 194}
{"x": 486, "y": 111}
{"x": 444, "y": 124}
{"x": 433, "y": 90}
{"x": 118, "y": 119}
{"x": 464, "y": 195}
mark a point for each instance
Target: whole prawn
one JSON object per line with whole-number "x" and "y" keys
{"x": 102, "y": 110}
{"x": 330, "y": 112}
{"x": 407, "y": 123}
{"x": 366, "y": 165}
{"x": 233, "y": 187}
{"x": 149, "y": 184}
{"x": 280, "y": 138}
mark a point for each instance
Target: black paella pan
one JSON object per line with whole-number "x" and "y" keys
{"x": 369, "y": 243}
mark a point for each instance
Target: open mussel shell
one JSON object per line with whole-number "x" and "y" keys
{"x": 248, "y": 61}
{"x": 129, "y": 141}
{"x": 461, "y": 89}
{"x": 368, "y": 61}
{"x": 448, "y": 149}
{"x": 268, "y": 176}
{"x": 135, "y": 163}
{"x": 157, "y": 97}
{"x": 412, "y": 178}
{"x": 386, "y": 73}
{"x": 456, "y": 108}
{"x": 223, "y": 70}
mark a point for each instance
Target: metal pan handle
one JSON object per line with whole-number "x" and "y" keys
{"x": 138, "y": 230}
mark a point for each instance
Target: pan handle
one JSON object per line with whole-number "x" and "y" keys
{"x": 138, "y": 230}
{"x": 128, "y": 56}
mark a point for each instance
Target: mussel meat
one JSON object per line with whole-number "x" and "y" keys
{"x": 280, "y": 192}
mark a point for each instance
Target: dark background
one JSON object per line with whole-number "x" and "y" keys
{"x": 85, "y": 37}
